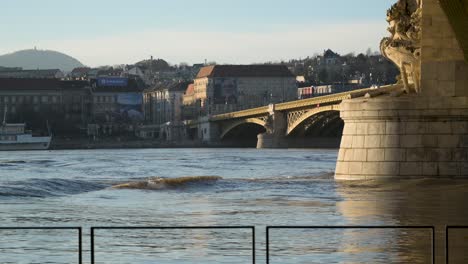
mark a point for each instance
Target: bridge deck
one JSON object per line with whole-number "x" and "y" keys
{"x": 333, "y": 98}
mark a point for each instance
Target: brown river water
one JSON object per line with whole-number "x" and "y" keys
{"x": 220, "y": 187}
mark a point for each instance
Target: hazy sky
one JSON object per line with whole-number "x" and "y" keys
{"x": 107, "y": 32}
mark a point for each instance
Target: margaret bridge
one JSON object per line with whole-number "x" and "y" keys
{"x": 314, "y": 121}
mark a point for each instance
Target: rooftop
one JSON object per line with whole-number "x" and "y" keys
{"x": 74, "y": 84}
{"x": 29, "y": 84}
{"x": 244, "y": 71}
{"x": 175, "y": 87}
{"x": 81, "y": 70}
{"x": 180, "y": 87}
{"x": 13, "y": 84}
{"x": 50, "y": 73}
{"x": 330, "y": 54}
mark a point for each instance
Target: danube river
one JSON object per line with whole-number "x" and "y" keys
{"x": 256, "y": 188}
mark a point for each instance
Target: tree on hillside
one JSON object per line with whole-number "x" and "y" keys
{"x": 322, "y": 76}
{"x": 156, "y": 65}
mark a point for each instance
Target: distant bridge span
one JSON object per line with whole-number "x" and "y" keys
{"x": 278, "y": 121}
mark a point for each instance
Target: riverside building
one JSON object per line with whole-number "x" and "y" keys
{"x": 226, "y": 88}
{"x": 116, "y": 105}
{"x": 163, "y": 110}
{"x": 45, "y": 99}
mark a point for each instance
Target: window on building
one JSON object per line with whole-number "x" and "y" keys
{"x": 35, "y": 99}
{"x": 44, "y": 99}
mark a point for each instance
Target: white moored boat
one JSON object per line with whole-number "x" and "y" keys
{"x": 14, "y": 137}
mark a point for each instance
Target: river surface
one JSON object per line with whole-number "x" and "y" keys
{"x": 256, "y": 188}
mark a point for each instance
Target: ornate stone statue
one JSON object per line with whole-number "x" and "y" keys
{"x": 269, "y": 126}
{"x": 403, "y": 47}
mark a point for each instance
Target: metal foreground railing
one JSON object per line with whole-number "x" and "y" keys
{"x": 447, "y": 229}
{"x": 79, "y": 229}
{"x": 268, "y": 228}
{"x": 252, "y": 228}
{"x": 268, "y": 239}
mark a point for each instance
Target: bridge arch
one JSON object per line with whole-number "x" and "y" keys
{"x": 232, "y": 125}
{"x": 294, "y": 123}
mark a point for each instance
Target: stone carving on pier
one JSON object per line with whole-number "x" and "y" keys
{"x": 269, "y": 124}
{"x": 403, "y": 47}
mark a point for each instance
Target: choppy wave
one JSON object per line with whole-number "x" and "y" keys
{"x": 47, "y": 188}
{"x": 167, "y": 183}
{"x": 63, "y": 187}
{"x": 158, "y": 183}
{"x": 12, "y": 161}
{"x": 38, "y": 161}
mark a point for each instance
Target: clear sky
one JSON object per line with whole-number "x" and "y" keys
{"x": 107, "y": 32}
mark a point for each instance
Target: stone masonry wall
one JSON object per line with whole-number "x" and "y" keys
{"x": 444, "y": 71}
{"x": 403, "y": 137}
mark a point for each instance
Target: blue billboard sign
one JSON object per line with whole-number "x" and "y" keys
{"x": 130, "y": 105}
{"x": 112, "y": 81}
{"x": 130, "y": 99}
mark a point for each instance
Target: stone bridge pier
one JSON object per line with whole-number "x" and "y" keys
{"x": 276, "y": 126}
{"x": 423, "y": 133}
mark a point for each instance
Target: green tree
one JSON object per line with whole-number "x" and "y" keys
{"x": 322, "y": 76}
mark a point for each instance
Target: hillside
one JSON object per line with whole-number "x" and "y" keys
{"x": 40, "y": 59}
{"x": 156, "y": 64}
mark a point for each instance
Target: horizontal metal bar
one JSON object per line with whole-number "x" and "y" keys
{"x": 39, "y": 228}
{"x": 173, "y": 227}
{"x": 350, "y": 227}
